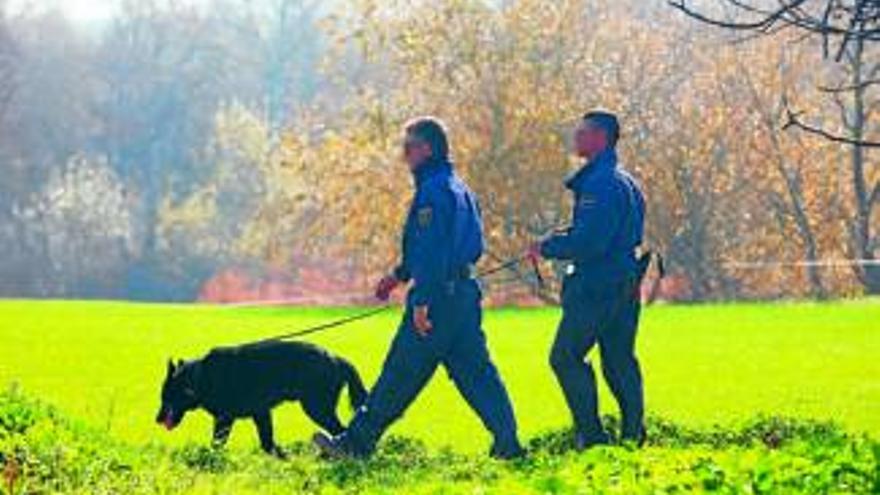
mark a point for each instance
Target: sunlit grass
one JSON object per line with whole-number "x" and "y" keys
{"x": 103, "y": 362}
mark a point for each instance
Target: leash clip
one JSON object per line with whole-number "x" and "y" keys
{"x": 536, "y": 268}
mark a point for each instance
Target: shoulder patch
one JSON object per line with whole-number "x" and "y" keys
{"x": 424, "y": 215}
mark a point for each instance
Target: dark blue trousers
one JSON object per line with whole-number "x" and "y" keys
{"x": 458, "y": 343}
{"x": 607, "y": 316}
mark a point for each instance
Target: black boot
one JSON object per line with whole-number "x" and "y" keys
{"x": 509, "y": 453}
{"x": 336, "y": 448}
{"x": 639, "y": 439}
{"x": 584, "y": 441}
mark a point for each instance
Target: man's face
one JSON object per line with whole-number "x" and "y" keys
{"x": 589, "y": 140}
{"x": 415, "y": 151}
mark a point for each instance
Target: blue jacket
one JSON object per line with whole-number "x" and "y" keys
{"x": 443, "y": 233}
{"x": 608, "y": 222}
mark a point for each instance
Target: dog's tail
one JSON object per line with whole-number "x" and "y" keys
{"x": 357, "y": 394}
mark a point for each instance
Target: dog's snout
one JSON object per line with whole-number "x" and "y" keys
{"x": 163, "y": 414}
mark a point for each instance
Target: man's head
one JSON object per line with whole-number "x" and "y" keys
{"x": 425, "y": 139}
{"x": 178, "y": 395}
{"x": 597, "y": 131}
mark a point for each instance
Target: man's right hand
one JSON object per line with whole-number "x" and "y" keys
{"x": 386, "y": 286}
{"x": 533, "y": 254}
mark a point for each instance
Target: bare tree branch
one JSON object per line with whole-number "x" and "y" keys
{"x": 793, "y": 121}
{"x": 856, "y": 23}
{"x": 850, "y": 87}
{"x": 761, "y": 24}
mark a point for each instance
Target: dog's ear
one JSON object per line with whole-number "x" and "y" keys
{"x": 170, "y": 367}
{"x": 180, "y": 363}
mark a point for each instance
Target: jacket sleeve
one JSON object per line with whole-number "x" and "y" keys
{"x": 596, "y": 216}
{"x": 401, "y": 273}
{"x": 431, "y": 245}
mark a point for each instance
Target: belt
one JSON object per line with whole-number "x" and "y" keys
{"x": 573, "y": 268}
{"x": 600, "y": 276}
{"x": 591, "y": 264}
{"x": 464, "y": 272}
{"x": 460, "y": 274}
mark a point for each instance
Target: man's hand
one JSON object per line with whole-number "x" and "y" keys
{"x": 420, "y": 320}
{"x": 533, "y": 254}
{"x": 386, "y": 286}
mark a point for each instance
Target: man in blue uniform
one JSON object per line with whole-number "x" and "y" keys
{"x": 599, "y": 300}
{"x": 442, "y": 240}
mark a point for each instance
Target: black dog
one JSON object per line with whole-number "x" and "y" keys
{"x": 248, "y": 381}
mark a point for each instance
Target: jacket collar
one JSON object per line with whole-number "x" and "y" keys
{"x": 431, "y": 168}
{"x": 604, "y": 162}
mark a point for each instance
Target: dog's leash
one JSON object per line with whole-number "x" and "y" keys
{"x": 644, "y": 262}
{"x": 385, "y": 307}
{"x": 328, "y": 325}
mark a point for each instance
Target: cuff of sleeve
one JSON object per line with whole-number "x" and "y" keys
{"x": 548, "y": 248}
{"x": 419, "y": 297}
{"x": 401, "y": 273}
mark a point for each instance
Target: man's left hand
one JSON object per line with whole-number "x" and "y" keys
{"x": 420, "y": 320}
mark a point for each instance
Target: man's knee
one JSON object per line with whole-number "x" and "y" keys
{"x": 465, "y": 374}
{"x": 617, "y": 364}
{"x": 563, "y": 359}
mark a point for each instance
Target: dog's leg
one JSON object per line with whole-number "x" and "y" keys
{"x": 263, "y": 421}
{"x": 323, "y": 412}
{"x": 222, "y": 428}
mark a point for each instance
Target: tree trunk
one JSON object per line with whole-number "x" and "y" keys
{"x": 860, "y": 225}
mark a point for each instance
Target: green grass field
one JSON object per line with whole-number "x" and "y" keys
{"x": 102, "y": 363}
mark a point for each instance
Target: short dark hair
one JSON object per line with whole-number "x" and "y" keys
{"x": 607, "y": 121}
{"x": 432, "y": 131}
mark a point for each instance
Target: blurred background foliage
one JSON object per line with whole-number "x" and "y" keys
{"x": 229, "y": 149}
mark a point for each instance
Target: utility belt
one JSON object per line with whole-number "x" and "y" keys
{"x": 463, "y": 273}
{"x": 626, "y": 281}
{"x": 598, "y": 274}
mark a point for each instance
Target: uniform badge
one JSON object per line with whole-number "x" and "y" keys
{"x": 424, "y": 215}
{"x": 588, "y": 202}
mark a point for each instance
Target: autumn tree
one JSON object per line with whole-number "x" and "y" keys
{"x": 845, "y": 32}
{"x": 724, "y": 182}
{"x": 261, "y": 133}
{"x": 510, "y": 82}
